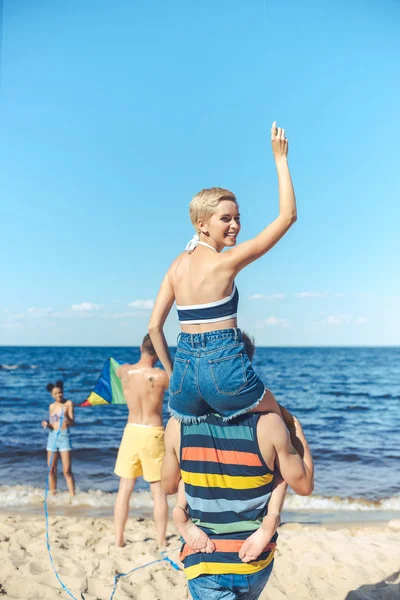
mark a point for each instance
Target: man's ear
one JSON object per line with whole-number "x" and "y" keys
{"x": 141, "y": 349}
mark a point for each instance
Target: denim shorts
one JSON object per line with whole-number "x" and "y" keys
{"x": 212, "y": 373}
{"x": 62, "y": 442}
{"x": 230, "y": 587}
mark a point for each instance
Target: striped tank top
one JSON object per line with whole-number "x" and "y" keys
{"x": 228, "y": 486}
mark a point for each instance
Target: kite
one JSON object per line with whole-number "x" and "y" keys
{"x": 108, "y": 388}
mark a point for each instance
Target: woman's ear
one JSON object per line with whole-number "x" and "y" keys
{"x": 202, "y": 226}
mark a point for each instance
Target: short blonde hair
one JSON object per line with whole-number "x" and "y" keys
{"x": 205, "y": 203}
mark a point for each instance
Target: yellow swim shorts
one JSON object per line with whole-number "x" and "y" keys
{"x": 141, "y": 453}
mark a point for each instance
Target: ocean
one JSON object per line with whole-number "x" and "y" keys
{"x": 347, "y": 400}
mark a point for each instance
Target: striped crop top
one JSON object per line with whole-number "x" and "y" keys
{"x": 221, "y": 310}
{"x": 211, "y": 312}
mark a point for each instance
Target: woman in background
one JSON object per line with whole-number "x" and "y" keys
{"x": 61, "y": 417}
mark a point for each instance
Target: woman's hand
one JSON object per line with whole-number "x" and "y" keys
{"x": 280, "y": 144}
{"x": 45, "y": 424}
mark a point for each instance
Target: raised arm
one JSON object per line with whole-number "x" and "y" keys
{"x": 170, "y": 470}
{"x": 293, "y": 456}
{"x": 249, "y": 251}
{"x": 162, "y": 307}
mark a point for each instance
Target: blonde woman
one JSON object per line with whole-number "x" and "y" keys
{"x": 211, "y": 371}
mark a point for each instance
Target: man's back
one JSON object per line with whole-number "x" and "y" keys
{"x": 144, "y": 389}
{"x": 228, "y": 484}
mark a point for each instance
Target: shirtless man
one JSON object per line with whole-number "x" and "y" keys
{"x": 142, "y": 447}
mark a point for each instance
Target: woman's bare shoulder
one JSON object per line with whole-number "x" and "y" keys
{"x": 176, "y": 264}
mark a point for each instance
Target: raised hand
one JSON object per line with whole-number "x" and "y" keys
{"x": 280, "y": 145}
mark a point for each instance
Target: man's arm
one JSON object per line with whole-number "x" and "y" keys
{"x": 170, "y": 470}
{"x": 258, "y": 541}
{"x": 293, "y": 456}
{"x": 273, "y": 517}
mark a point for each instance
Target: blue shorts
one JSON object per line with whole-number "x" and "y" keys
{"x": 212, "y": 373}
{"x": 230, "y": 587}
{"x": 62, "y": 442}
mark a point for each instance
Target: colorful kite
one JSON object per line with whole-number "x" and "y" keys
{"x": 108, "y": 388}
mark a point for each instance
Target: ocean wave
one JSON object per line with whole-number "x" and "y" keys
{"x": 25, "y": 496}
{"x": 340, "y": 393}
{"x": 335, "y": 503}
{"x": 22, "y": 367}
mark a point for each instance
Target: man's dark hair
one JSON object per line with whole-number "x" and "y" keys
{"x": 249, "y": 345}
{"x": 147, "y": 346}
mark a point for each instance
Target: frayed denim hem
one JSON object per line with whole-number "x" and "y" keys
{"x": 243, "y": 411}
{"x": 187, "y": 419}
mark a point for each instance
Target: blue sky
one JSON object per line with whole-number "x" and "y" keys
{"x": 113, "y": 115}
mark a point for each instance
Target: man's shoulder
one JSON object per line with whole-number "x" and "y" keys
{"x": 160, "y": 374}
{"x": 125, "y": 367}
{"x": 269, "y": 423}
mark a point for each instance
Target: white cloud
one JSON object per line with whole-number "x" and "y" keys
{"x": 274, "y": 322}
{"x": 142, "y": 304}
{"x": 14, "y": 320}
{"x": 312, "y": 294}
{"x": 360, "y": 321}
{"x": 270, "y": 297}
{"x": 86, "y": 307}
{"x": 40, "y": 312}
{"x": 336, "y": 320}
{"x": 123, "y": 315}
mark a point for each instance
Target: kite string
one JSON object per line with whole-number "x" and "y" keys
{"x": 153, "y": 562}
{"x": 119, "y": 575}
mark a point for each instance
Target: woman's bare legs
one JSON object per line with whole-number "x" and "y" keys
{"x": 53, "y": 470}
{"x": 195, "y": 538}
{"x": 268, "y": 404}
{"x": 69, "y": 478}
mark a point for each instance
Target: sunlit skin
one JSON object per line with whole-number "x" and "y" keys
{"x": 60, "y": 406}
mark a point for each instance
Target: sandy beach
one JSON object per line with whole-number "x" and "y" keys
{"x": 351, "y": 562}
